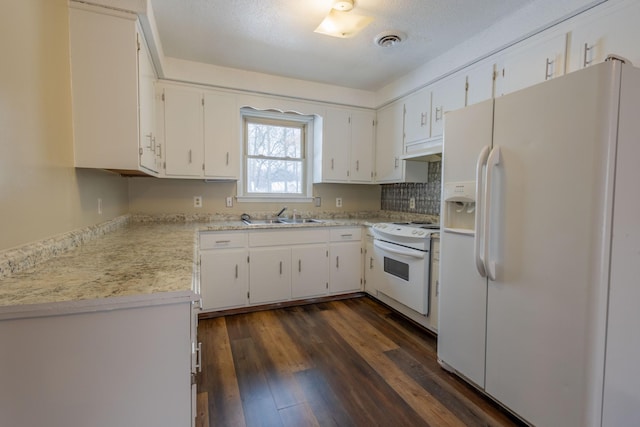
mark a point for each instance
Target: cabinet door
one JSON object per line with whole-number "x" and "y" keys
{"x": 417, "y": 109}
{"x": 223, "y": 278}
{"x": 345, "y": 263}
{"x": 183, "y": 128}
{"x": 270, "y": 275}
{"x": 310, "y": 272}
{"x": 336, "y": 143}
{"x": 480, "y": 83}
{"x": 389, "y": 167}
{"x": 221, "y": 142}
{"x": 531, "y": 64}
{"x": 104, "y": 91}
{"x": 146, "y": 108}
{"x": 373, "y": 269}
{"x": 614, "y": 32}
{"x": 362, "y": 137}
{"x": 446, "y": 96}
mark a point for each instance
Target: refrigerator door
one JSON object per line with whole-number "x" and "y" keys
{"x": 621, "y": 392}
{"x": 462, "y": 302}
{"x": 548, "y": 214}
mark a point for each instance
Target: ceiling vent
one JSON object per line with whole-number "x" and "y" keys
{"x": 390, "y": 38}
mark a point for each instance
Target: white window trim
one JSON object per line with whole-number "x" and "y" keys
{"x": 307, "y": 197}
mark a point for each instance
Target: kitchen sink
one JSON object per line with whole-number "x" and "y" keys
{"x": 263, "y": 221}
{"x": 300, "y": 221}
{"x": 280, "y": 221}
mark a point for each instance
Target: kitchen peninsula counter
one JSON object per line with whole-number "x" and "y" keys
{"x": 143, "y": 261}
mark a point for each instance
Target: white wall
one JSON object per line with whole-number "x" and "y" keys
{"x": 41, "y": 193}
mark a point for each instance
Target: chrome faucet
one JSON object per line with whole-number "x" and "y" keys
{"x": 281, "y": 211}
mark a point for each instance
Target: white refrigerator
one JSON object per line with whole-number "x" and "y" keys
{"x": 540, "y": 248}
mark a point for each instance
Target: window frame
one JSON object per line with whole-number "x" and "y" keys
{"x": 306, "y": 122}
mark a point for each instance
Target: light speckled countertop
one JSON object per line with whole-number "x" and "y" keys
{"x": 138, "y": 260}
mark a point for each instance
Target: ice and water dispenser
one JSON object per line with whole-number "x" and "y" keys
{"x": 459, "y": 207}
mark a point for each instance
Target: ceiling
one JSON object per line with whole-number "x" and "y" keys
{"x": 277, "y": 36}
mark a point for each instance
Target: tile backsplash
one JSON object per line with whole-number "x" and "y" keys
{"x": 396, "y": 197}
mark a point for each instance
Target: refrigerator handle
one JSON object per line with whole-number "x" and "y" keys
{"x": 492, "y": 162}
{"x": 479, "y": 235}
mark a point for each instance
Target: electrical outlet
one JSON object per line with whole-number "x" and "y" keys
{"x": 338, "y": 202}
{"x": 412, "y": 203}
{"x": 197, "y": 201}
{"x": 229, "y": 202}
{"x": 317, "y": 202}
{"x": 99, "y": 206}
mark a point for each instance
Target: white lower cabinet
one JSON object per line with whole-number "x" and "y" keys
{"x": 224, "y": 270}
{"x": 309, "y": 276}
{"x": 270, "y": 271}
{"x": 345, "y": 260}
{"x": 240, "y": 268}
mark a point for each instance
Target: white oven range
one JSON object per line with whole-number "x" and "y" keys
{"x": 404, "y": 251}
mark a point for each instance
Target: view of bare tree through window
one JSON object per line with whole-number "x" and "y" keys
{"x": 275, "y": 154}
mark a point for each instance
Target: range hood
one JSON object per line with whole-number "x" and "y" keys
{"x": 426, "y": 151}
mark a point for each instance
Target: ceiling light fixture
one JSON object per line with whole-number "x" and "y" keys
{"x": 340, "y": 22}
{"x": 389, "y": 38}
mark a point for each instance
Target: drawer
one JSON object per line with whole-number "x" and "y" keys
{"x": 288, "y": 237}
{"x": 346, "y": 234}
{"x": 216, "y": 240}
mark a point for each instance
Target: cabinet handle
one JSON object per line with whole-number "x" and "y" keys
{"x": 159, "y": 152}
{"x": 331, "y": 164}
{"x": 437, "y": 287}
{"x": 227, "y": 158}
{"x": 199, "y": 358}
{"x": 548, "y": 72}
{"x": 438, "y": 114}
{"x": 346, "y": 235}
{"x": 281, "y": 268}
{"x": 219, "y": 242}
{"x": 338, "y": 261}
{"x": 397, "y": 163}
{"x": 585, "y": 60}
{"x": 357, "y": 165}
{"x": 236, "y": 271}
{"x": 370, "y": 263}
{"x": 299, "y": 266}
{"x": 150, "y": 136}
{"x": 190, "y": 156}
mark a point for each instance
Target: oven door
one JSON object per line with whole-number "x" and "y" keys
{"x": 406, "y": 274}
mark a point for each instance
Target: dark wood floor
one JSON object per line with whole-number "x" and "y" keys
{"x": 342, "y": 363}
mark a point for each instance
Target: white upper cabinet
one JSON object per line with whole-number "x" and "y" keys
{"x": 104, "y": 52}
{"x": 149, "y": 150}
{"x": 221, "y": 140}
{"x": 389, "y": 166}
{"x": 614, "y": 32}
{"x": 480, "y": 84}
{"x": 446, "y": 95}
{"x": 417, "y": 118}
{"x": 344, "y": 149}
{"x": 531, "y": 63}
{"x": 362, "y": 144}
{"x": 183, "y": 132}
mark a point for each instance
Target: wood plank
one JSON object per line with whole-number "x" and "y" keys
{"x": 218, "y": 377}
{"x": 257, "y": 400}
{"x": 202, "y": 405}
{"x": 367, "y": 341}
{"x": 351, "y": 362}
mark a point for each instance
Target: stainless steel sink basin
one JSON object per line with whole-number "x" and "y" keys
{"x": 263, "y": 221}
{"x": 280, "y": 221}
{"x": 301, "y": 221}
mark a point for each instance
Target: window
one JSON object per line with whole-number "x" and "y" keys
{"x": 275, "y": 147}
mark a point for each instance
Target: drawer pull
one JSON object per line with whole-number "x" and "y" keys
{"x": 236, "y": 271}
{"x": 219, "y": 242}
{"x": 346, "y": 235}
{"x": 299, "y": 266}
{"x": 338, "y": 262}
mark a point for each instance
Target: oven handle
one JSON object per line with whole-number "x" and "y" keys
{"x": 395, "y": 249}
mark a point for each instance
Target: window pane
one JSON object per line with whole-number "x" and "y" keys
{"x": 274, "y": 176}
{"x": 274, "y": 141}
